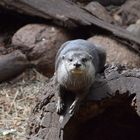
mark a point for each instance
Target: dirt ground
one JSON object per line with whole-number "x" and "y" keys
{"x": 17, "y": 98}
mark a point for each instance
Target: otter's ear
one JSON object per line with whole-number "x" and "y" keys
{"x": 63, "y": 57}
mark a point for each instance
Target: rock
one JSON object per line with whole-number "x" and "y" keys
{"x": 134, "y": 28}
{"x": 99, "y": 11}
{"x": 117, "y": 53}
{"x": 129, "y": 12}
{"x": 12, "y": 64}
{"x": 41, "y": 43}
{"x": 27, "y": 35}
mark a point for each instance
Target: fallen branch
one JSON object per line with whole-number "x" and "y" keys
{"x": 108, "y": 97}
{"x": 69, "y": 14}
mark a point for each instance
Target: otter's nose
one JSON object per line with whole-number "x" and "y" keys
{"x": 77, "y": 65}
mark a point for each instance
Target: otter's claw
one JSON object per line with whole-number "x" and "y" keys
{"x": 60, "y": 107}
{"x": 72, "y": 107}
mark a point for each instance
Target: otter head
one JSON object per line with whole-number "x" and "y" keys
{"x": 77, "y": 63}
{"x": 76, "y": 70}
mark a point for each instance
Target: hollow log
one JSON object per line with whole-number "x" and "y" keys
{"x": 69, "y": 14}
{"x": 12, "y": 65}
{"x": 111, "y": 111}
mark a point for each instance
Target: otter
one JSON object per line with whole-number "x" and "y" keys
{"x": 76, "y": 65}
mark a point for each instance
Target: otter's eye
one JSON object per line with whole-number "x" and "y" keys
{"x": 90, "y": 57}
{"x": 63, "y": 57}
{"x": 70, "y": 60}
{"x": 84, "y": 59}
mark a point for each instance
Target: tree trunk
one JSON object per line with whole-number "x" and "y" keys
{"x": 111, "y": 110}
{"x": 69, "y": 14}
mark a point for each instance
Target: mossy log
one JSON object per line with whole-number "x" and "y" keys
{"x": 111, "y": 111}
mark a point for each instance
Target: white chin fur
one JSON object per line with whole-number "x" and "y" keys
{"x": 77, "y": 78}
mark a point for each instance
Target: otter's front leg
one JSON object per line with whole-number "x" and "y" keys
{"x": 78, "y": 99}
{"x": 60, "y": 100}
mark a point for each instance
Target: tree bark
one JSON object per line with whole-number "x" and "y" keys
{"x": 112, "y": 107}
{"x": 69, "y": 14}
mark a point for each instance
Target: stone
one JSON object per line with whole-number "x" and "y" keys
{"x": 27, "y": 35}
{"x": 40, "y": 42}
{"x": 12, "y": 65}
{"x": 134, "y": 29}
{"x": 117, "y": 53}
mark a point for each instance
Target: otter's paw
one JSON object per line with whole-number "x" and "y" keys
{"x": 60, "y": 107}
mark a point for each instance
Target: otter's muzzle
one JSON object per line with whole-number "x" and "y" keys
{"x": 77, "y": 65}
{"x": 77, "y": 69}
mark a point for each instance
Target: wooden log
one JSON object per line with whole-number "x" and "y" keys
{"x": 69, "y": 14}
{"x": 12, "y": 65}
{"x": 108, "y": 109}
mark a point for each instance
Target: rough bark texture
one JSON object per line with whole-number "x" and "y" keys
{"x": 111, "y": 2}
{"x": 106, "y": 114}
{"x": 99, "y": 11}
{"x": 69, "y": 14}
{"x": 12, "y": 65}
